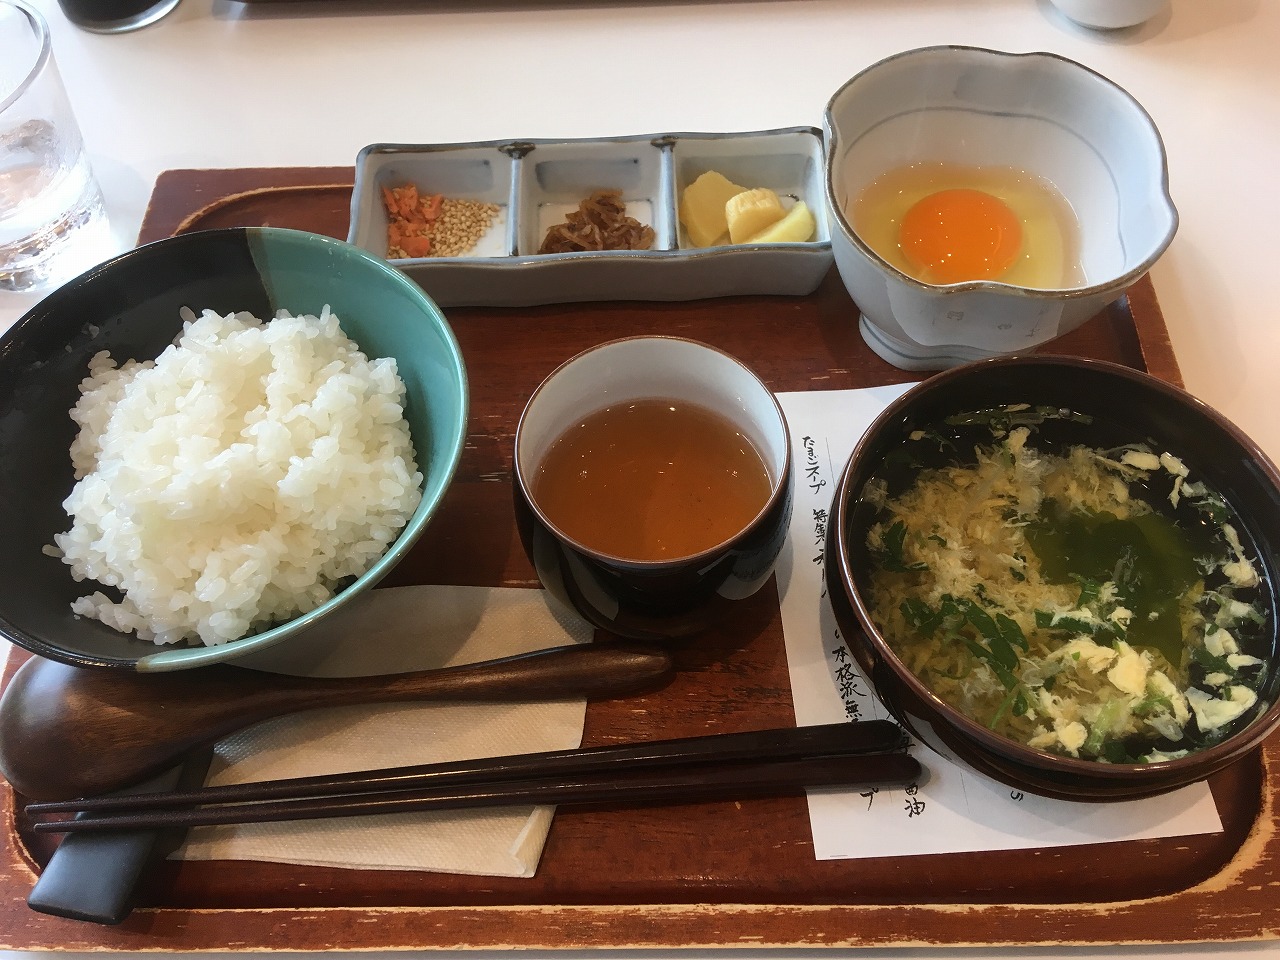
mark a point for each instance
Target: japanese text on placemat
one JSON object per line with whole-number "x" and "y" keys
{"x": 815, "y": 481}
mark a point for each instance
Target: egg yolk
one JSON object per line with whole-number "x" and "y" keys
{"x": 956, "y": 235}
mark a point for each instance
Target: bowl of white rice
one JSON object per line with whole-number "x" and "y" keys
{"x": 212, "y": 442}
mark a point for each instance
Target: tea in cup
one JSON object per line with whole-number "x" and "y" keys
{"x": 653, "y": 484}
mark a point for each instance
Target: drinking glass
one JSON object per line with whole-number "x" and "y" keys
{"x": 53, "y": 225}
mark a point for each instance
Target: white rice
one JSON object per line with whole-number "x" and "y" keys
{"x": 237, "y": 479}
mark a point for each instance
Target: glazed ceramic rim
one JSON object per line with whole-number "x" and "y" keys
{"x": 1116, "y": 283}
{"x": 778, "y": 485}
{"x": 1201, "y": 762}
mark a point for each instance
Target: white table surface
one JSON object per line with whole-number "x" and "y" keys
{"x": 224, "y": 84}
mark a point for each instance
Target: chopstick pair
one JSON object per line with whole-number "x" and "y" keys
{"x": 720, "y": 766}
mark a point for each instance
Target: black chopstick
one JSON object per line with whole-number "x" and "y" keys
{"x": 682, "y": 783}
{"x": 790, "y": 743}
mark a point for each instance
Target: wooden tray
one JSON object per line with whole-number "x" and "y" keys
{"x": 705, "y": 875}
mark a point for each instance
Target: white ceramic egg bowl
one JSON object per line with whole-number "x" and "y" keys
{"x": 535, "y": 183}
{"x": 1037, "y": 112}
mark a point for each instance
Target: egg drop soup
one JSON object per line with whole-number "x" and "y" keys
{"x": 1097, "y": 602}
{"x": 944, "y": 223}
{"x": 652, "y": 479}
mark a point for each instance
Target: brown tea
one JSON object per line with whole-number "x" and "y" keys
{"x": 651, "y": 479}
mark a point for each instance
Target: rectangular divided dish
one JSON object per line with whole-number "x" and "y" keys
{"x": 535, "y": 183}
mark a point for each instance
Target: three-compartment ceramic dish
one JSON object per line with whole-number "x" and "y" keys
{"x": 535, "y": 183}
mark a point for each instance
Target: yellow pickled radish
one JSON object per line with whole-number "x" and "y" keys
{"x": 702, "y": 207}
{"x": 750, "y": 212}
{"x": 796, "y": 227}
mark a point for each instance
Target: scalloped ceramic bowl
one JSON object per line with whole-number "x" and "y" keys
{"x": 1117, "y": 398}
{"x": 130, "y": 306}
{"x": 1036, "y": 112}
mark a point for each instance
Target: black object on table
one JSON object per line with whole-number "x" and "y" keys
{"x": 93, "y": 877}
{"x": 115, "y": 16}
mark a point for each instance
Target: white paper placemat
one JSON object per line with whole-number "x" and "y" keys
{"x": 957, "y": 809}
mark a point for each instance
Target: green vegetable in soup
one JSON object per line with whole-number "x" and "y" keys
{"x": 1148, "y": 558}
{"x": 1059, "y": 596}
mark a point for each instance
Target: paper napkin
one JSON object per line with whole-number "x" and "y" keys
{"x": 388, "y": 631}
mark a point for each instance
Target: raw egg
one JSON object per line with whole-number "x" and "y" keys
{"x": 943, "y": 223}
{"x": 956, "y": 235}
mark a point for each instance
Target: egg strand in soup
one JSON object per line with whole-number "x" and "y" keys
{"x": 1096, "y": 603}
{"x": 947, "y": 223}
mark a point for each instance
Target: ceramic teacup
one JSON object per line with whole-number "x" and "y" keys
{"x": 671, "y": 596}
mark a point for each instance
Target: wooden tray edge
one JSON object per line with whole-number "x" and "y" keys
{"x": 1196, "y": 914}
{"x": 1153, "y": 335}
{"x": 1187, "y": 916}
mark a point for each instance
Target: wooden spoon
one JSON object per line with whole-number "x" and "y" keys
{"x": 73, "y": 732}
